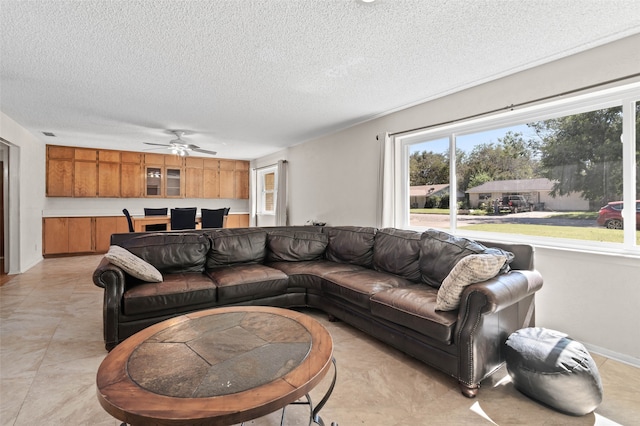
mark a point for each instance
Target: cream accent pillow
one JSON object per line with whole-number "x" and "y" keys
{"x": 470, "y": 269}
{"x": 133, "y": 265}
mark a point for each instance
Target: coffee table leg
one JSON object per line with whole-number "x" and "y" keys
{"x": 315, "y": 417}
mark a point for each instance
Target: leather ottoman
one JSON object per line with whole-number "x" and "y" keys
{"x": 554, "y": 369}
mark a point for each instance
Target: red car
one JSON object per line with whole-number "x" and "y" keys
{"x": 611, "y": 215}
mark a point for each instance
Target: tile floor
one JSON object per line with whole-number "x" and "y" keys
{"x": 51, "y": 347}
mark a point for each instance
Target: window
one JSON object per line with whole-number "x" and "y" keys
{"x": 267, "y": 190}
{"x": 547, "y": 172}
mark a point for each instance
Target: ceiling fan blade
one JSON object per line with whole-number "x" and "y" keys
{"x": 205, "y": 151}
{"x": 159, "y": 144}
{"x": 152, "y": 149}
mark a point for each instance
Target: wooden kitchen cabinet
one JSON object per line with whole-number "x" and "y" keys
{"x": 237, "y": 221}
{"x": 211, "y": 183}
{"x": 59, "y": 171}
{"x": 64, "y": 235}
{"x": 131, "y": 180}
{"x": 59, "y": 178}
{"x": 104, "y": 227}
{"x": 108, "y": 179}
{"x": 241, "y": 176}
{"x": 85, "y": 179}
{"x": 194, "y": 182}
{"x": 85, "y": 172}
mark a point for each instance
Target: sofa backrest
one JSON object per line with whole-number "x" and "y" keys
{"x": 524, "y": 254}
{"x": 397, "y": 251}
{"x": 236, "y": 246}
{"x": 295, "y": 245}
{"x": 350, "y": 244}
{"x": 169, "y": 252}
{"x": 440, "y": 252}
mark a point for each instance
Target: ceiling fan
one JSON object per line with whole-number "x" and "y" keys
{"x": 179, "y": 147}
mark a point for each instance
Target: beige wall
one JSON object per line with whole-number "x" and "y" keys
{"x": 335, "y": 179}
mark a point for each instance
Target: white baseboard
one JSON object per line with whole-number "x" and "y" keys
{"x": 634, "y": 362}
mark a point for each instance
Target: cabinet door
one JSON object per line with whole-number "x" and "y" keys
{"x": 109, "y": 156}
{"x": 194, "y": 179}
{"x": 108, "y": 179}
{"x": 105, "y": 226}
{"x": 153, "y": 181}
{"x": 85, "y": 179}
{"x": 130, "y": 180}
{"x": 59, "y": 178}
{"x": 173, "y": 182}
{"x": 130, "y": 157}
{"x": 211, "y": 183}
{"x": 154, "y": 159}
{"x": 80, "y": 234}
{"x": 227, "y": 184}
{"x": 60, "y": 152}
{"x": 85, "y": 154}
{"x": 56, "y": 235}
{"x": 237, "y": 221}
{"x": 241, "y": 184}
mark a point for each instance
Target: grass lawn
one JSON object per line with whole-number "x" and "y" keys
{"x": 429, "y": 211}
{"x": 572, "y": 232}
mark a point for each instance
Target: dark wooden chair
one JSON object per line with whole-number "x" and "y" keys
{"x": 212, "y": 218}
{"x": 183, "y": 218}
{"x": 128, "y": 216}
{"x": 156, "y": 212}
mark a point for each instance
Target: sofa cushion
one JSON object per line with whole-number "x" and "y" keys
{"x": 358, "y": 286}
{"x": 350, "y": 244}
{"x": 171, "y": 252}
{"x": 133, "y": 265}
{"x": 247, "y": 282}
{"x": 415, "y": 307}
{"x": 176, "y": 293}
{"x": 309, "y": 274}
{"x": 236, "y": 246}
{"x": 441, "y": 251}
{"x": 397, "y": 251}
{"x": 295, "y": 246}
{"x": 471, "y": 269}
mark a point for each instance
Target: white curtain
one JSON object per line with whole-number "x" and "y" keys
{"x": 281, "y": 196}
{"x": 387, "y": 216}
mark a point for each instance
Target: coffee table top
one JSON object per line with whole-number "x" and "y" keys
{"x": 219, "y": 366}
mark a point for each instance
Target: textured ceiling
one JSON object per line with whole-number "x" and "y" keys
{"x": 250, "y": 77}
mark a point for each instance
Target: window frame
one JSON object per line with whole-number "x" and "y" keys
{"x": 625, "y": 96}
{"x": 261, "y": 192}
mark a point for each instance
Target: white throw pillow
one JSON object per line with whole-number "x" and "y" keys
{"x": 133, "y": 265}
{"x": 470, "y": 269}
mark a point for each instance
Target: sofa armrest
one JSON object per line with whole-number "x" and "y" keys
{"x": 112, "y": 279}
{"x": 499, "y": 292}
{"x": 489, "y": 312}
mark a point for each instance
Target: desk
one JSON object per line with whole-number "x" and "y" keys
{"x": 217, "y": 367}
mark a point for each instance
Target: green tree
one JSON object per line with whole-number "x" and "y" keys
{"x": 428, "y": 168}
{"x": 512, "y": 157}
{"x": 582, "y": 153}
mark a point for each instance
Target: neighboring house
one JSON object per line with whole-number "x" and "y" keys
{"x": 418, "y": 194}
{"x": 536, "y": 191}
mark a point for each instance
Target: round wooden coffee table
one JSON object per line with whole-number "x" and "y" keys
{"x": 216, "y": 367}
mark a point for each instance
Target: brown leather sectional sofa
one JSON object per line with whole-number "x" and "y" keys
{"x": 382, "y": 282}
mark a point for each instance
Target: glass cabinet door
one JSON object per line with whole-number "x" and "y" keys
{"x": 153, "y": 181}
{"x": 173, "y": 183}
